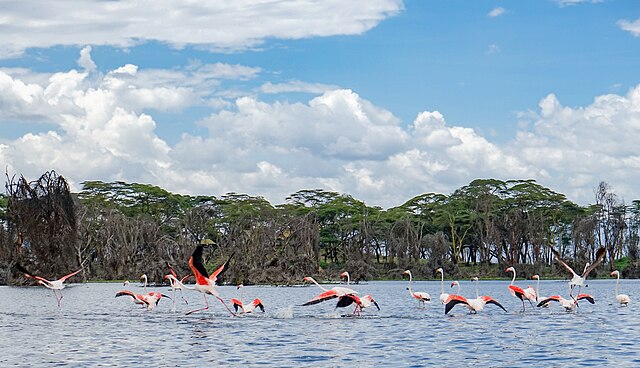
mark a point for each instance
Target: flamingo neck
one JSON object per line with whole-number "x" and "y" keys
{"x": 442, "y": 281}
{"x": 617, "y": 282}
{"x": 410, "y": 281}
{"x": 348, "y": 278}
{"x": 477, "y": 294}
{"x": 537, "y": 287}
{"x": 315, "y": 282}
{"x": 513, "y": 279}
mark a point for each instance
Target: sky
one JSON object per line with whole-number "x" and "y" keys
{"x": 383, "y": 100}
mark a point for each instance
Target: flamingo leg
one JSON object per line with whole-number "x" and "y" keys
{"x": 182, "y": 296}
{"x": 201, "y": 309}
{"x": 225, "y": 305}
{"x": 58, "y": 299}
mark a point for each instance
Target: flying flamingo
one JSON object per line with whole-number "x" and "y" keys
{"x": 622, "y": 299}
{"x": 176, "y": 283}
{"x": 518, "y": 291}
{"x": 474, "y": 305}
{"x": 246, "y": 308}
{"x": 443, "y": 295}
{"x": 579, "y": 280}
{"x": 149, "y": 300}
{"x": 568, "y": 304}
{"x": 364, "y": 302}
{"x": 343, "y": 294}
{"x": 422, "y": 297}
{"x": 53, "y": 285}
{"x": 205, "y": 283}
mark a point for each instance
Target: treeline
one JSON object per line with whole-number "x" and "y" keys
{"x": 121, "y": 230}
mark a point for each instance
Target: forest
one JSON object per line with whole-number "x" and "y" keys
{"x": 118, "y": 230}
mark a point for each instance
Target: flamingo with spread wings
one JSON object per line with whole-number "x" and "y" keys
{"x": 248, "y": 307}
{"x": 346, "y": 296}
{"x": 149, "y": 300}
{"x": 474, "y": 305}
{"x": 579, "y": 280}
{"x": 363, "y": 302}
{"x": 205, "y": 283}
{"x": 54, "y": 285}
{"x": 568, "y": 304}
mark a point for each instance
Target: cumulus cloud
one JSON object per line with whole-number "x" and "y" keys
{"x": 211, "y": 25}
{"x": 100, "y": 129}
{"x": 496, "y": 12}
{"x": 632, "y": 27}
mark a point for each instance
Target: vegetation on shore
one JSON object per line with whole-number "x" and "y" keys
{"x": 119, "y": 230}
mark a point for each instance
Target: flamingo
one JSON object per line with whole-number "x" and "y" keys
{"x": 443, "y": 295}
{"x": 149, "y": 300}
{"x": 568, "y": 304}
{"x": 579, "y": 280}
{"x": 538, "y": 297}
{"x": 422, "y": 297}
{"x": 246, "y": 308}
{"x": 177, "y": 284}
{"x": 364, "y": 302}
{"x": 205, "y": 283}
{"x": 474, "y": 305}
{"x": 518, "y": 291}
{"x": 622, "y": 299}
{"x": 455, "y": 283}
{"x": 343, "y": 294}
{"x": 53, "y": 285}
{"x": 144, "y": 283}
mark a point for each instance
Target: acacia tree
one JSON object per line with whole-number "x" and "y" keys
{"x": 42, "y": 215}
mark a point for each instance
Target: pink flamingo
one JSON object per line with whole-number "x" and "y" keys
{"x": 622, "y": 299}
{"x": 364, "y": 302}
{"x": 579, "y": 280}
{"x": 345, "y": 295}
{"x": 422, "y": 297}
{"x": 246, "y": 308}
{"x": 176, "y": 283}
{"x": 205, "y": 283}
{"x": 518, "y": 291}
{"x": 474, "y": 305}
{"x": 568, "y": 304}
{"x": 149, "y": 300}
{"x": 53, "y": 285}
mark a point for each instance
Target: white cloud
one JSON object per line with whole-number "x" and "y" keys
{"x": 208, "y": 24}
{"x": 498, "y": 11}
{"x": 576, "y": 2}
{"x": 85, "y": 61}
{"x": 336, "y": 140}
{"x": 492, "y": 49}
{"x": 632, "y": 27}
{"x": 296, "y": 86}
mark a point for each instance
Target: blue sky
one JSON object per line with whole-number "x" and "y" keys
{"x": 380, "y": 99}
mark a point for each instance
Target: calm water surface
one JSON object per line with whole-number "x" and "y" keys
{"x": 93, "y": 328}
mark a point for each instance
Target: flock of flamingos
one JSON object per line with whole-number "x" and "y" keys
{"x": 205, "y": 283}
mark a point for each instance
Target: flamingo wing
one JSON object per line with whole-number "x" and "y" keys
{"x": 490, "y": 300}
{"x": 588, "y": 297}
{"x": 236, "y": 304}
{"x": 452, "y": 300}
{"x": 347, "y": 300}
{"x": 182, "y": 280}
{"x": 30, "y": 275}
{"x": 555, "y": 298}
{"x": 138, "y": 298}
{"x": 329, "y": 294}
{"x": 65, "y": 277}
{"x": 223, "y": 267}
{"x": 173, "y": 272}
{"x": 195, "y": 263}
{"x": 257, "y": 303}
{"x": 517, "y": 291}
{"x": 559, "y": 259}
{"x": 599, "y": 257}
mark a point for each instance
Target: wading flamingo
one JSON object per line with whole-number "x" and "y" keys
{"x": 205, "y": 283}
{"x": 455, "y": 283}
{"x": 149, "y": 300}
{"x": 443, "y": 295}
{"x": 622, "y": 299}
{"x": 176, "y": 283}
{"x": 518, "y": 292}
{"x": 474, "y": 305}
{"x": 246, "y": 308}
{"x": 145, "y": 281}
{"x": 568, "y": 304}
{"x": 538, "y": 297}
{"x": 579, "y": 280}
{"x": 363, "y": 302}
{"x": 345, "y": 295}
{"x": 53, "y": 285}
{"x": 422, "y": 297}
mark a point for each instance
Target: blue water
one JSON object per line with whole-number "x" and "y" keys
{"x": 93, "y": 328}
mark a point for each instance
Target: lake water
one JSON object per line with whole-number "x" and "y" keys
{"x": 93, "y": 328}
